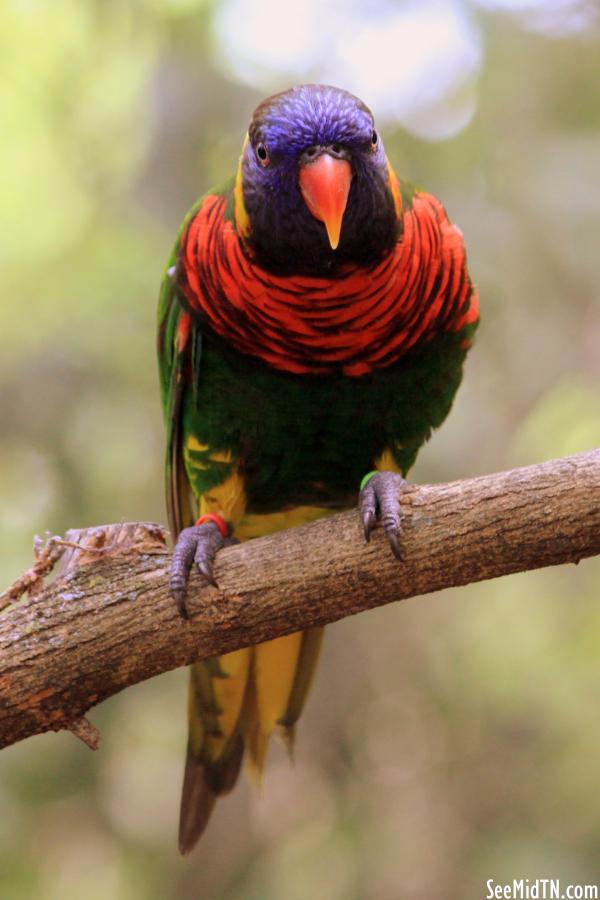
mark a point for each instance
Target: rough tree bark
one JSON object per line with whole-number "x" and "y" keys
{"x": 107, "y": 620}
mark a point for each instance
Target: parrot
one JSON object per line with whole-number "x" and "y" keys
{"x": 314, "y": 317}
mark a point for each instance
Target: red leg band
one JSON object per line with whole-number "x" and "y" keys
{"x": 218, "y": 520}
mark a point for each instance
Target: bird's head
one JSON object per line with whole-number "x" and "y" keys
{"x": 314, "y": 189}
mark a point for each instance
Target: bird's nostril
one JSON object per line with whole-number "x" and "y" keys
{"x": 336, "y": 148}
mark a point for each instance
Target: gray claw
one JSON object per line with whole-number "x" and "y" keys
{"x": 198, "y": 544}
{"x": 379, "y": 503}
{"x": 368, "y": 521}
{"x": 368, "y": 509}
{"x": 179, "y": 598}
{"x": 394, "y": 543}
{"x": 205, "y": 569}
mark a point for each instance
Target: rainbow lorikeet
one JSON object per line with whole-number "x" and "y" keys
{"x": 314, "y": 319}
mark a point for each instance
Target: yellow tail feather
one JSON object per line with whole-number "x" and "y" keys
{"x": 273, "y": 674}
{"x": 229, "y": 690}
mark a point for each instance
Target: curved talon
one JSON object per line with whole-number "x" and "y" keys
{"x": 369, "y": 518}
{"x": 179, "y": 598}
{"x": 379, "y": 502}
{"x": 198, "y": 544}
{"x": 205, "y": 569}
{"x": 394, "y": 543}
{"x": 368, "y": 509}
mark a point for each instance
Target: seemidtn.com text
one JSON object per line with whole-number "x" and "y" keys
{"x": 540, "y": 889}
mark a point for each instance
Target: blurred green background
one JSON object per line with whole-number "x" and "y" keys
{"x": 449, "y": 739}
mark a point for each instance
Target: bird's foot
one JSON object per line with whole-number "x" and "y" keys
{"x": 379, "y": 504}
{"x": 198, "y": 544}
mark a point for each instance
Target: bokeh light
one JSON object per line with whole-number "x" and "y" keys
{"x": 315, "y": 41}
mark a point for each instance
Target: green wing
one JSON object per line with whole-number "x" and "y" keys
{"x": 179, "y": 353}
{"x": 179, "y": 356}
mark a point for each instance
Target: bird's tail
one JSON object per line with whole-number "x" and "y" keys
{"x": 236, "y": 701}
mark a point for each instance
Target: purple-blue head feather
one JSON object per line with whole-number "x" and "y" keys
{"x": 285, "y": 236}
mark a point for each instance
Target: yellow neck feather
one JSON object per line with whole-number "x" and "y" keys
{"x": 242, "y": 220}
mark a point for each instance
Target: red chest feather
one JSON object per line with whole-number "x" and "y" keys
{"x": 359, "y": 320}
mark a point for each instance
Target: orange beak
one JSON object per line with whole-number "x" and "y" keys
{"x": 325, "y": 185}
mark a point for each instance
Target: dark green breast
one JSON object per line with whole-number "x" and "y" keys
{"x": 307, "y": 439}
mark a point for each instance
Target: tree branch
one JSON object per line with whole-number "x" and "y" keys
{"x": 107, "y": 620}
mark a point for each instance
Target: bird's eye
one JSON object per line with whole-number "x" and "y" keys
{"x": 374, "y": 140}
{"x": 263, "y": 154}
